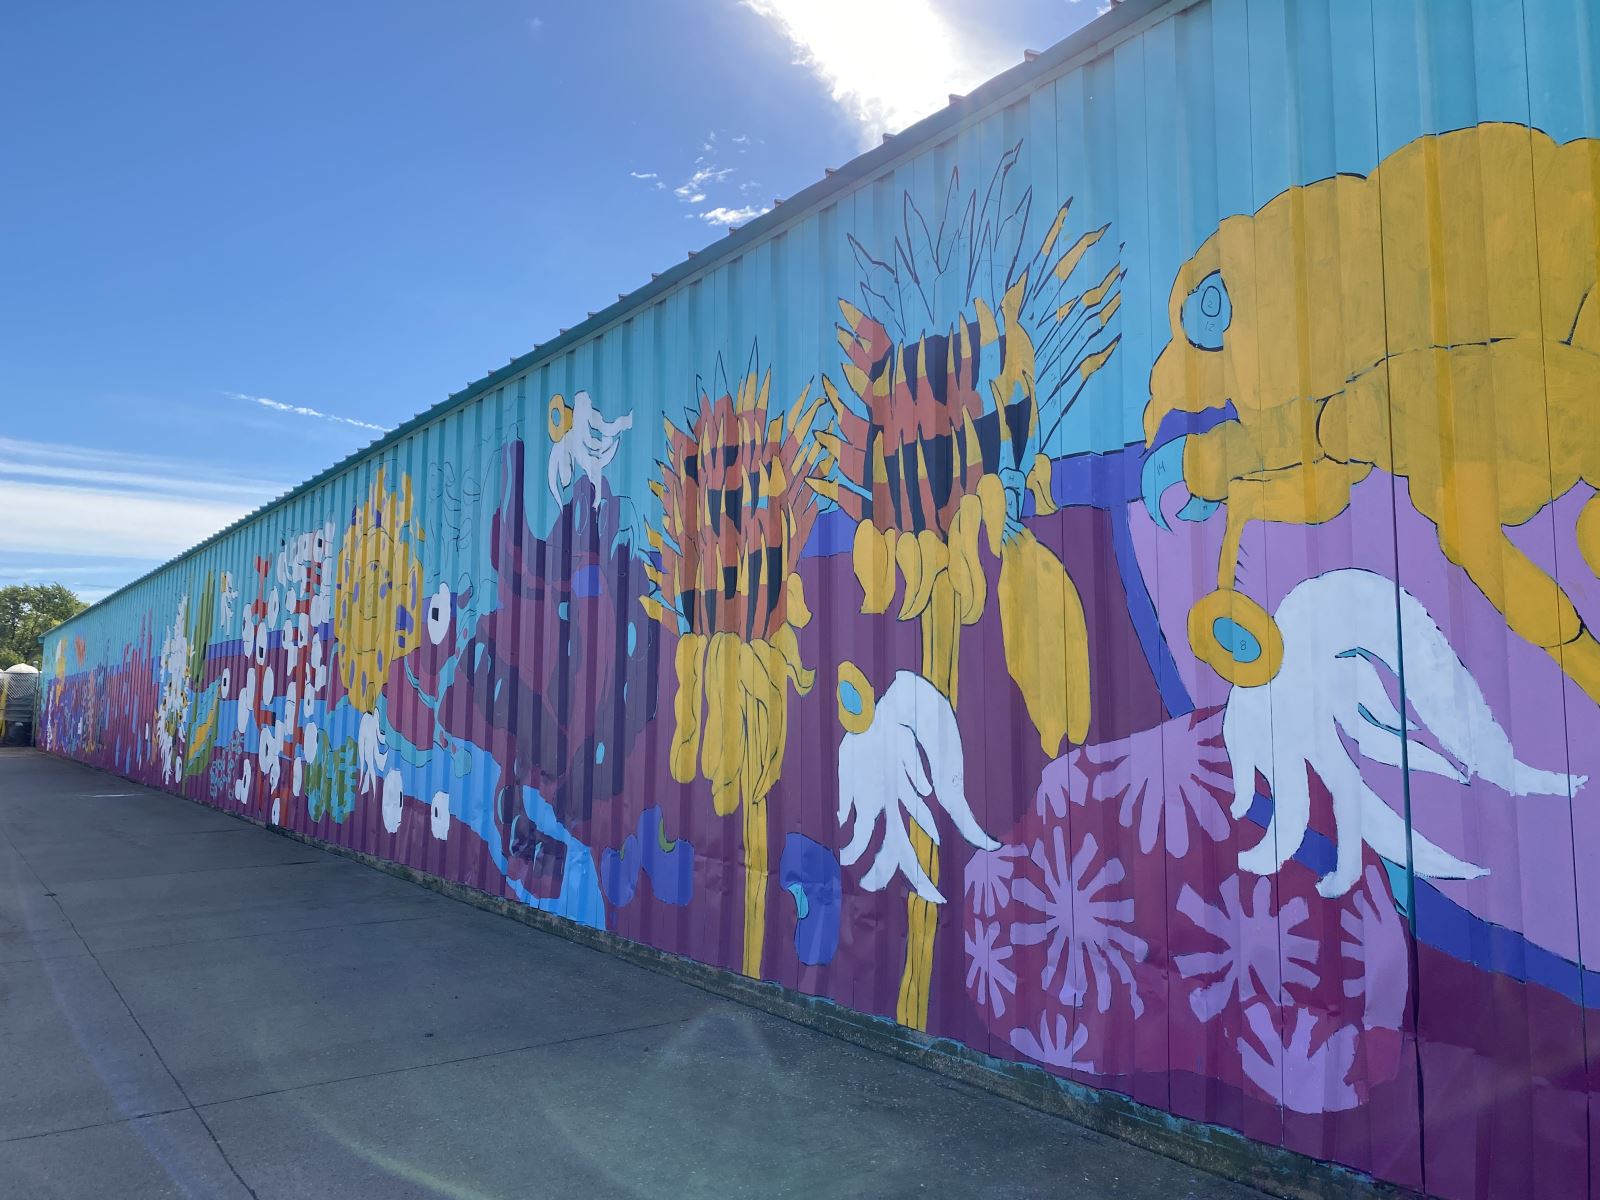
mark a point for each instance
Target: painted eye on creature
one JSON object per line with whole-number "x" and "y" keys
{"x": 226, "y": 681}
{"x": 560, "y": 417}
{"x": 1207, "y": 312}
{"x": 441, "y": 608}
{"x": 857, "y": 699}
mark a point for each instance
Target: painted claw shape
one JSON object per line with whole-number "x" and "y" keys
{"x": 883, "y": 778}
{"x": 1338, "y": 630}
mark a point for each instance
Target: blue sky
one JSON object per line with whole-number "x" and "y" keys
{"x": 245, "y": 239}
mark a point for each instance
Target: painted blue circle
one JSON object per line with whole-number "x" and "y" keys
{"x": 1239, "y": 642}
{"x": 633, "y": 637}
{"x": 850, "y": 698}
{"x": 599, "y": 753}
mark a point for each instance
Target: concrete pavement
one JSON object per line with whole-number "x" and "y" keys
{"x": 194, "y": 1006}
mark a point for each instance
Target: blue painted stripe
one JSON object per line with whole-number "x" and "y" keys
{"x": 1447, "y": 927}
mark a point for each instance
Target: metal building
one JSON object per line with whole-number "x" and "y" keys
{"x": 1105, "y": 578}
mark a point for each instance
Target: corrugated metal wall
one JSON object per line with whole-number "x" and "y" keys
{"x": 1146, "y": 637}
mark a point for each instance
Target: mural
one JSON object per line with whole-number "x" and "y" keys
{"x": 1135, "y": 627}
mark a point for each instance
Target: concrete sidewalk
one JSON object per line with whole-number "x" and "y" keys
{"x": 193, "y": 1006}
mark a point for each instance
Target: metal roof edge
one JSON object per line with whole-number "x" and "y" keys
{"x": 1124, "y": 20}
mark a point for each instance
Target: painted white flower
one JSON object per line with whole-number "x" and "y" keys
{"x": 230, "y": 597}
{"x": 247, "y": 699}
{"x": 882, "y": 776}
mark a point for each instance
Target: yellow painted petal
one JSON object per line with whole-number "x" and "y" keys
{"x": 988, "y": 330}
{"x": 1055, "y": 230}
{"x": 873, "y": 556}
{"x": 788, "y": 646}
{"x": 686, "y": 706}
{"x": 768, "y": 705}
{"x": 992, "y": 498}
{"x": 1098, "y": 359}
{"x": 722, "y": 742}
{"x": 1039, "y": 484}
{"x": 1046, "y": 640}
{"x": 1011, "y": 302}
{"x": 933, "y": 556}
{"x": 966, "y": 572}
{"x": 857, "y": 379}
{"x": 824, "y": 487}
{"x": 908, "y": 553}
{"x": 1099, "y": 292}
{"x": 1069, "y": 260}
{"x": 795, "y": 603}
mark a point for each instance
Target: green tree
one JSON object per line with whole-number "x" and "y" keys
{"x": 28, "y": 610}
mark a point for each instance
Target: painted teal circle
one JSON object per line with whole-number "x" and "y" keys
{"x": 1239, "y": 642}
{"x": 599, "y": 753}
{"x": 633, "y": 637}
{"x": 850, "y": 697}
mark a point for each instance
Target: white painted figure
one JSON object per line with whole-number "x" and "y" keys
{"x": 1338, "y": 628}
{"x": 584, "y": 441}
{"x": 901, "y": 752}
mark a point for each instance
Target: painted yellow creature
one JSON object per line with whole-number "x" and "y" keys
{"x": 1436, "y": 319}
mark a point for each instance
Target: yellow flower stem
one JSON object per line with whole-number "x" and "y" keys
{"x": 941, "y": 632}
{"x": 755, "y": 883}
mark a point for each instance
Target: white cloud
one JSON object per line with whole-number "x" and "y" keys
{"x": 122, "y": 524}
{"x": 76, "y": 466}
{"x": 301, "y": 410}
{"x": 705, "y": 178}
{"x": 731, "y": 216}
{"x": 888, "y": 63}
{"x": 692, "y": 189}
{"x": 125, "y": 510}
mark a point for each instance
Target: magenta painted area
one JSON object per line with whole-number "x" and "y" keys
{"x": 1524, "y": 687}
